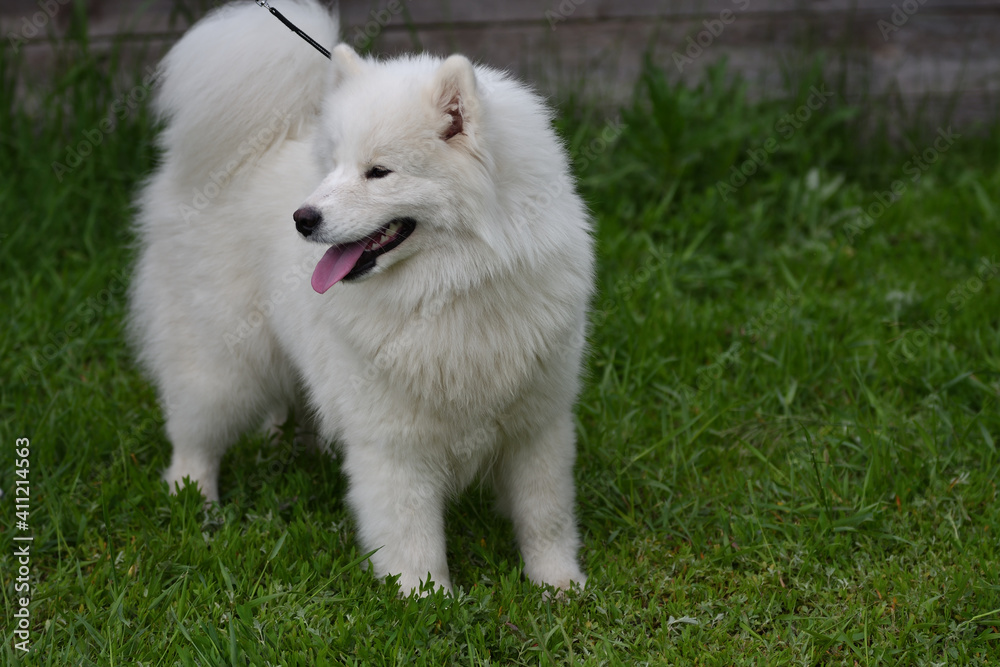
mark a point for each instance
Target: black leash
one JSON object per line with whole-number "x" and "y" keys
{"x": 291, "y": 26}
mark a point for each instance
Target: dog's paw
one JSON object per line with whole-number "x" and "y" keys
{"x": 177, "y": 480}
{"x": 562, "y": 578}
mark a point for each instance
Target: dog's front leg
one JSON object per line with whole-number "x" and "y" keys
{"x": 534, "y": 484}
{"x": 399, "y": 505}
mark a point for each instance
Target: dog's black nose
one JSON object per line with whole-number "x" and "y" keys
{"x": 307, "y": 219}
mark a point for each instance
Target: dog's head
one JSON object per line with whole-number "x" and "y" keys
{"x": 400, "y": 145}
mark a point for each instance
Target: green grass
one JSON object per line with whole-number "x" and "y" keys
{"x": 787, "y": 453}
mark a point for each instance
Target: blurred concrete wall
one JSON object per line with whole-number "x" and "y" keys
{"x": 939, "y": 54}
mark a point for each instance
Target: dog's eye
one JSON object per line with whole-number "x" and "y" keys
{"x": 377, "y": 172}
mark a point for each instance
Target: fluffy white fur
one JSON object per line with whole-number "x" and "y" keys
{"x": 458, "y": 356}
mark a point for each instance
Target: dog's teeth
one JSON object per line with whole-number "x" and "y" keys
{"x": 393, "y": 228}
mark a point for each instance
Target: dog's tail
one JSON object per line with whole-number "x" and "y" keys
{"x": 238, "y": 82}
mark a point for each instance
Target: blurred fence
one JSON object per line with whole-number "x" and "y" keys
{"x": 934, "y": 53}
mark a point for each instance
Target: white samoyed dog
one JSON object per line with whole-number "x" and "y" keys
{"x": 396, "y": 248}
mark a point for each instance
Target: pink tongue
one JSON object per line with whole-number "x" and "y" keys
{"x": 336, "y": 263}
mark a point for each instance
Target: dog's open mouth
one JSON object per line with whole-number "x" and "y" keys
{"x": 352, "y": 260}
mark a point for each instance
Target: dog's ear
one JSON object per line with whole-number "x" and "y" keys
{"x": 455, "y": 97}
{"x": 346, "y": 64}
